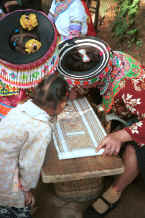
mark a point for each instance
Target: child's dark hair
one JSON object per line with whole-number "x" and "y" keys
{"x": 52, "y": 90}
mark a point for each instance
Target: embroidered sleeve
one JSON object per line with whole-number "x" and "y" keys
{"x": 133, "y": 97}
{"x": 32, "y": 157}
{"x": 137, "y": 132}
{"x": 74, "y": 29}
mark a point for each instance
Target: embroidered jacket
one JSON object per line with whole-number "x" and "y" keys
{"x": 131, "y": 100}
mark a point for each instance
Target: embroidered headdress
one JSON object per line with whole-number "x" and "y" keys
{"x": 88, "y": 60}
{"x": 28, "y": 49}
{"x": 84, "y": 61}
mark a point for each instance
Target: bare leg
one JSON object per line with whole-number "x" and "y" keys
{"x": 113, "y": 194}
{"x": 131, "y": 169}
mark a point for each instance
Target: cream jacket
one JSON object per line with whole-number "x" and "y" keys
{"x": 24, "y": 136}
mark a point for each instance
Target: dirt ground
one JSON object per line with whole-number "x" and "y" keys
{"x": 131, "y": 204}
{"x": 106, "y": 34}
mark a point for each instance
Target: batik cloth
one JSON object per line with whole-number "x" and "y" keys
{"x": 70, "y": 18}
{"x": 25, "y": 134}
{"x": 13, "y": 212}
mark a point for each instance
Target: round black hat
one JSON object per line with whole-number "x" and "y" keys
{"x": 26, "y": 70}
{"x": 95, "y": 55}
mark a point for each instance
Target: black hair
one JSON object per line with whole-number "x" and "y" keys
{"x": 74, "y": 61}
{"x": 51, "y": 91}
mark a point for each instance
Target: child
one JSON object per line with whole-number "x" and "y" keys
{"x": 25, "y": 135}
{"x": 88, "y": 62}
{"x": 71, "y": 18}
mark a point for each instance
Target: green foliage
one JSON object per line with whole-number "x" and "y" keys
{"x": 124, "y": 26}
{"x": 139, "y": 43}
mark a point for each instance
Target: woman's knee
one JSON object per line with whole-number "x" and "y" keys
{"x": 130, "y": 149}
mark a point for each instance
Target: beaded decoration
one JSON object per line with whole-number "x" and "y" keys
{"x": 92, "y": 76}
{"x": 32, "y": 45}
{"x": 28, "y": 22}
{"x": 30, "y": 74}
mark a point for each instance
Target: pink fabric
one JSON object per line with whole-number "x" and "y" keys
{"x": 13, "y": 100}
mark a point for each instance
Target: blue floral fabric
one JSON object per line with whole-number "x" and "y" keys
{"x": 13, "y": 212}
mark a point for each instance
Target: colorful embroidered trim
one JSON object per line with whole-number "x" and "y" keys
{"x": 4, "y": 109}
{"x": 37, "y": 63}
{"x": 90, "y": 81}
{"x": 124, "y": 66}
{"x": 61, "y": 7}
{"x": 31, "y": 77}
{"x": 6, "y": 90}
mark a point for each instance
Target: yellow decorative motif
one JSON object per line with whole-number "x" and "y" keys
{"x": 28, "y": 22}
{"x": 32, "y": 46}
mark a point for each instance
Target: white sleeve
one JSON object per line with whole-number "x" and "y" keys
{"x": 32, "y": 156}
{"x": 77, "y": 12}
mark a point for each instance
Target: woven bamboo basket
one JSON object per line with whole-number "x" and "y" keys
{"x": 81, "y": 190}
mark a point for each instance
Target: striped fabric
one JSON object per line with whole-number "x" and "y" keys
{"x": 4, "y": 109}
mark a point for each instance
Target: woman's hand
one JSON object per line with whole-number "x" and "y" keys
{"x": 29, "y": 199}
{"x": 113, "y": 142}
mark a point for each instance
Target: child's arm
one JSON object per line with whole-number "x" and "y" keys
{"x": 32, "y": 157}
{"x": 29, "y": 199}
